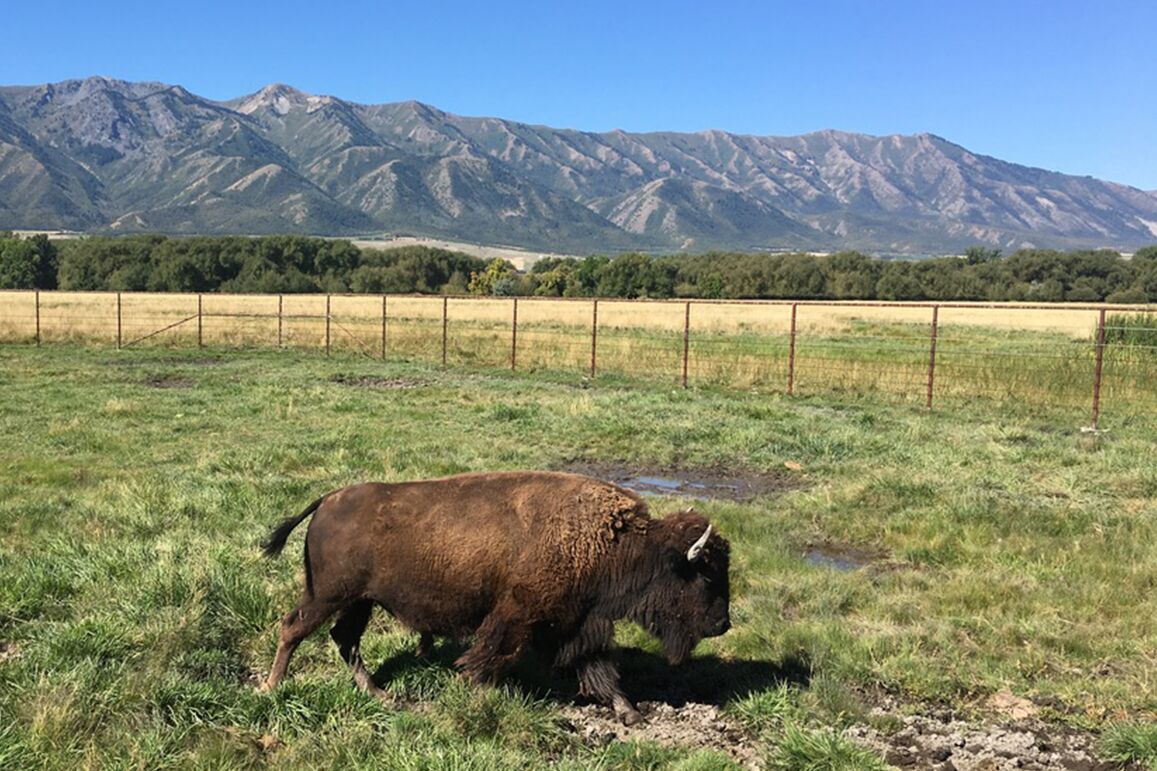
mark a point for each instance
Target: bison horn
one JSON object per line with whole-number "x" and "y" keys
{"x": 697, "y": 547}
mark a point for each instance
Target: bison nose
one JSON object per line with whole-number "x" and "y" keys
{"x": 723, "y": 625}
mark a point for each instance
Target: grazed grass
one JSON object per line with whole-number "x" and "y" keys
{"x": 136, "y": 613}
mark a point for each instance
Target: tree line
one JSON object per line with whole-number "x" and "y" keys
{"x": 288, "y": 264}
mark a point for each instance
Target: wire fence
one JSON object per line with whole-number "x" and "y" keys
{"x": 1084, "y": 357}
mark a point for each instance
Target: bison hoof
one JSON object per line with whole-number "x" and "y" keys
{"x": 630, "y": 717}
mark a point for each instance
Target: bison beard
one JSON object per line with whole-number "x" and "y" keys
{"x": 513, "y": 559}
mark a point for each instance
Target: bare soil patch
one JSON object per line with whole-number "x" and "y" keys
{"x": 697, "y": 483}
{"x": 936, "y": 741}
{"x": 946, "y": 743}
{"x": 176, "y": 361}
{"x": 692, "y": 725}
{"x": 371, "y": 381}
{"x": 170, "y": 381}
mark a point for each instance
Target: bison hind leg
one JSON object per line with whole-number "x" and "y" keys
{"x": 497, "y": 645}
{"x": 298, "y": 624}
{"x": 347, "y": 633}
{"x": 425, "y": 645}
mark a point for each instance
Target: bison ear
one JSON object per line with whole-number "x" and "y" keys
{"x": 697, "y": 547}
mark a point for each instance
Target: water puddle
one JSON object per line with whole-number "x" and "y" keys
{"x": 682, "y": 487}
{"x": 702, "y": 484}
{"x": 839, "y": 558}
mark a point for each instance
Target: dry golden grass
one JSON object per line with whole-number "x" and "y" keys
{"x": 1008, "y": 352}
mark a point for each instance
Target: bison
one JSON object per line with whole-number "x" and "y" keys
{"x": 518, "y": 559}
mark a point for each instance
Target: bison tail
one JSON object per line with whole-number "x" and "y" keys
{"x": 273, "y": 545}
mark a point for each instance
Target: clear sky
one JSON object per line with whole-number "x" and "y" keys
{"x": 1064, "y": 85}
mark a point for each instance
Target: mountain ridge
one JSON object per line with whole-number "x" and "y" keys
{"x": 101, "y": 154}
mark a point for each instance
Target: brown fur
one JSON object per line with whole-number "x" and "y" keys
{"x": 512, "y": 558}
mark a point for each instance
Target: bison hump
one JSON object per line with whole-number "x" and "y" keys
{"x": 595, "y": 518}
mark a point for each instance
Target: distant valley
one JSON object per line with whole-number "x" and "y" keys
{"x": 101, "y": 155}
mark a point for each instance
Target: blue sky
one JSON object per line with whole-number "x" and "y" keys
{"x": 1068, "y": 86}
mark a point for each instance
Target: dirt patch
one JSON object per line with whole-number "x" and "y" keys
{"x": 170, "y": 361}
{"x": 694, "y": 726}
{"x": 168, "y": 381}
{"x": 931, "y": 741}
{"x": 370, "y": 381}
{"x": 948, "y": 744}
{"x": 702, "y": 484}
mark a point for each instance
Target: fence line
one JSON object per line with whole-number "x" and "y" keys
{"x": 991, "y": 350}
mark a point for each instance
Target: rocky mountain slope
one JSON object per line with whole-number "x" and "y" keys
{"x": 101, "y": 154}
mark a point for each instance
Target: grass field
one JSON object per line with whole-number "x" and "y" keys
{"x": 1004, "y": 552}
{"x": 1009, "y": 353}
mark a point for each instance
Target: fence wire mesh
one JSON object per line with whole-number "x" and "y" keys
{"x": 1087, "y": 358}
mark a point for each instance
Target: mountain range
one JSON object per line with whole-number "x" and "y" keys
{"x": 103, "y": 155}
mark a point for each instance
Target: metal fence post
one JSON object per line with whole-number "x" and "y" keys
{"x": 327, "y": 314}
{"x": 118, "y": 320}
{"x": 445, "y": 325}
{"x": 686, "y": 339}
{"x": 383, "y": 327}
{"x": 200, "y": 316}
{"x": 932, "y": 354}
{"x": 1100, "y": 354}
{"x": 38, "y": 318}
{"x": 791, "y": 354}
{"x": 594, "y": 336}
{"x": 514, "y": 336}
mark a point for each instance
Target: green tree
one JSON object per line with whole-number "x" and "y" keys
{"x": 18, "y": 264}
{"x": 975, "y": 255}
{"x": 497, "y": 278}
{"x": 27, "y": 263}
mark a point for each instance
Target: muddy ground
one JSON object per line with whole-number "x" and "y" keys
{"x": 938, "y": 740}
{"x": 370, "y": 381}
{"x": 694, "y": 483}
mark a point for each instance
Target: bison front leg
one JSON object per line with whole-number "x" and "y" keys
{"x": 599, "y": 679}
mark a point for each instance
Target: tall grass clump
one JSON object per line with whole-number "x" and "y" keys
{"x": 1131, "y": 742}
{"x": 1132, "y": 329}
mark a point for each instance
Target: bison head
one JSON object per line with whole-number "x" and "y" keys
{"x": 687, "y": 596}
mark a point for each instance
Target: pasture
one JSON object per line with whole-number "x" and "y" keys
{"x": 994, "y": 554}
{"x": 914, "y": 352}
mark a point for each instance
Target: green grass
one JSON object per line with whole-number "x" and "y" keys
{"x": 136, "y": 613}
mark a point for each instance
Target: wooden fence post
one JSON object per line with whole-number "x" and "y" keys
{"x": 932, "y": 354}
{"x": 686, "y": 339}
{"x": 1100, "y": 354}
{"x": 200, "y": 330}
{"x": 327, "y": 314}
{"x": 445, "y": 326}
{"x": 383, "y": 327}
{"x": 594, "y": 335}
{"x": 279, "y": 320}
{"x": 38, "y": 318}
{"x": 118, "y": 320}
{"x": 791, "y": 354}
{"x": 514, "y": 336}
